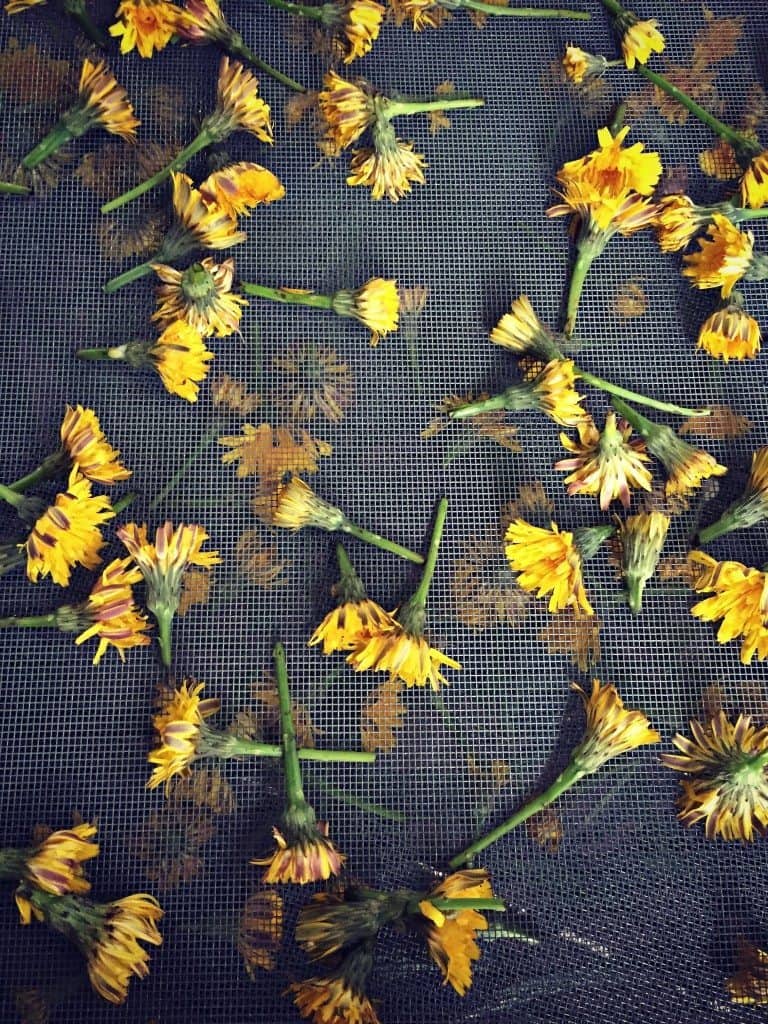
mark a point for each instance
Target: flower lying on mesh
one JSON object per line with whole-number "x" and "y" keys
{"x": 317, "y": 380}
{"x": 145, "y": 25}
{"x": 353, "y": 25}
{"x": 749, "y": 985}
{"x": 730, "y": 332}
{"x": 725, "y": 256}
{"x": 421, "y": 13}
{"x": 579, "y": 64}
{"x": 521, "y": 331}
{"x": 726, "y": 785}
{"x": 639, "y": 39}
{"x": 642, "y": 537}
{"x": 754, "y": 182}
{"x": 163, "y": 565}
{"x": 101, "y": 102}
{"x": 687, "y": 467}
{"x": 748, "y": 510}
{"x": 740, "y": 599}
{"x": 107, "y": 934}
{"x": 356, "y": 618}
{"x": 239, "y": 188}
{"x": 550, "y": 390}
{"x": 201, "y": 295}
{"x": 67, "y": 534}
{"x": 178, "y": 725}
{"x": 339, "y": 996}
{"x": 550, "y": 561}
{"x": 346, "y": 110}
{"x": 389, "y": 168}
{"x": 54, "y": 865}
{"x": 607, "y": 463}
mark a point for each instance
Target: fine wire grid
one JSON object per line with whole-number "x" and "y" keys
{"x": 637, "y": 918}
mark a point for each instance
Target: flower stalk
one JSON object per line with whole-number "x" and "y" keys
{"x": 132, "y": 274}
{"x": 520, "y": 12}
{"x": 49, "y": 468}
{"x": 370, "y": 537}
{"x": 237, "y": 48}
{"x": 296, "y": 802}
{"x": 288, "y": 296}
{"x": 588, "y": 247}
{"x": 202, "y": 140}
{"x": 11, "y": 189}
{"x": 405, "y": 106}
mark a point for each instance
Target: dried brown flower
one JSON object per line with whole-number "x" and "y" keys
{"x": 576, "y": 638}
{"x": 629, "y": 299}
{"x": 168, "y": 844}
{"x": 27, "y": 78}
{"x": 204, "y": 788}
{"x": 437, "y": 118}
{"x": 196, "y": 589}
{"x": 697, "y": 82}
{"x": 234, "y": 395}
{"x": 716, "y": 40}
{"x": 382, "y": 716}
{"x": 546, "y": 828}
{"x": 260, "y": 931}
{"x": 483, "y": 589}
{"x": 268, "y": 714}
{"x": 317, "y": 381}
{"x": 111, "y": 169}
{"x": 119, "y": 242}
{"x": 259, "y": 562}
{"x": 270, "y": 452}
{"x": 532, "y": 502}
{"x": 722, "y": 425}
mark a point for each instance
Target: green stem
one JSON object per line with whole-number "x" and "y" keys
{"x": 460, "y": 904}
{"x": 52, "y": 143}
{"x": 30, "y": 621}
{"x": 634, "y": 396}
{"x": 133, "y": 274}
{"x": 288, "y": 297}
{"x": 87, "y": 25}
{"x": 164, "y": 629}
{"x": 93, "y": 353}
{"x": 492, "y": 404}
{"x": 613, "y": 6}
{"x": 723, "y": 525}
{"x": 525, "y": 12}
{"x": 400, "y": 108}
{"x": 123, "y": 503}
{"x": 9, "y": 188}
{"x": 588, "y": 249}
{"x": 48, "y": 468}
{"x": 293, "y": 782}
{"x": 739, "y": 213}
{"x": 302, "y": 10}
{"x": 569, "y": 777}
{"x": 238, "y": 48}
{"x": 200, "y": 142}
{"x": 14, "y": 499}
{"x": 420, "y": 597}
{"x": 363, "y": 805}
{"x": 739, "y": 142}
{"x": 190, "y": 460}
{"x": 369, "y": 537}
{"x": 255, "y": 748}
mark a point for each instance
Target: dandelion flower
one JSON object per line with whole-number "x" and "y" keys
{"x": 642, "y": 537}
{"x": 53, "y": 865}
{"x": 355, "y": 618}
{"x": 84, "y": 442}
{"x": 346, "y": 109}
{"x": 145, "y": 25}
{"x": 178, "y": 726}
{"x": 200, "y": 222}
{"x": 239, "y": 106}
{"x": 521, "y": 331}
{"x": 240, "y": 187}
{"x": 388, "y": 170}
{"x": 754, "y": 183}
{"x": 611, "y": 729}
{"x": 181, "y": 359}
{"x": 421, "y": 13}
{"x": 724, "y": 256}
{"x": 578, "y": 64}
{"x": 375, "y": 304}
{"x": 607, "y": 463}
{"x": 359, "y": 24}
{"x": 639, "y": 39}
{"x": 106, "y": 102}
{"x": 739, "y": 598}
{"x": 109, "y": 612}
{"x": 730, "y": 333}
{"x": 201, "y": 295}
{"x": 748, "y": 510}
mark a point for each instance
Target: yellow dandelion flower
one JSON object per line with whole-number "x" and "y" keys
{"x": 67, "y": 534}
{"x": 201, "y": 21}
{"x": 201, "y": 223}
{"x": 375, "y": 304}
{"x": 115, "y": 956}
{"x": 613, "y": 170}
{"x": 406, "y": 655}
{"x": 726, "y": 787}
{"x": 55, "y": 864}
{"x": 145, "y": 25}
{"x": 238, "y": 102}
{"x": 754, "y": 183}
{"x": 388, "y": 171}
{"x": 521, "y": 331}
{"x": 350, "y": 624}
{"x": 336, "y": 998}
{"x": 724, "y": 256}
{"x": 555, "y": 394}
{"x": 421, "y": 13}
{"x": 106, "y": 101}
{"x": 360, "y": 24}
{"x": 749, "y": 509}
{"x": 578, "y": 64}
{"x": 642, "y": 537}
{"x": 639, "y": 39}
{"x": 296, "y": 505}
{"x": 178, "y": 726}
{"x": 240, "y": 187}
{"x": 676, "y": 222}
{"x": 611, "y": 729}
{"x": 607, "y": 463}
{"x": 181, "y": 359}
{"x": 201, "y": 295}
{"x": 730, "y": 333}
{"x": 450, "y": 935}
{"x": 346, "y": 109}
{"x": 749, "y": 986}
{"x": 303, "y": 854}
{"x": 740, "y": 599}
{"x": 109, "y": 612}
{"x": 84, "y": 442}
{"x": 548, "y": 562}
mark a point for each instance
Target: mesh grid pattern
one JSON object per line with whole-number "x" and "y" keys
{"x": 637, "y": 918}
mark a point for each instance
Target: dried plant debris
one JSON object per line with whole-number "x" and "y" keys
{"x": 259, "y": 562}
{"x": 723, "y": 424}
{"x": 269, "y": 452}
{"x": 168, "y": 844}
{"x": 546, "y": 829}
{"x": 382, "y": 716}
{"x": 115, "y": 167}
{"x": 298, "y": 106}
{"x": 658, "y": 500}
{"x": 195, "y": 589}
{"x": 268, "y": 714}
{"x": 675, "y": 568}
{"x": 532, "y": 503}
{"x": 495, "y": 426}
{"x": 720, "y": 162}
{"x": 630, "y": 299}
{"x": 576, "y": 638}
{"x": 167, "y": 108}
{"x": 712, "y": 701}
{"x": 717, "y": 40}
{"x": 412, "y": 301}
{"x": 673, "y": 181}
{"x": 204, "y": 788}
{"x": 260, "y": 931}
{"x": 697, "y": 82}
{"x": 438, "y": 121}
{"x": 32, "y": 1006}
{"x": 317, "y": 380}
{"x": 483, "y": 589}
{"x": 29, "y": 79}
{"x": 755, "y": 108}
{"x": 119, "y": 241}
{"x": 234, "y": 395}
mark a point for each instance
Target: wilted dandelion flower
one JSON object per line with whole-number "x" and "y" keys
{"x": 642, "y": 537}
{"x": 178, "y": 726}
{"x": 355, "y": 618}
{"x": 607, "y": 463}
{"x": 754, "y": 183}
{"x": 748, "y": 510}
{"x": 725, "y": 256}
{"x": 55, "y": 864}
{"x": 730, "y": 333}
{"x": 201, "y": 295}
{"x": 611, "y": 729}
{"x": 749, "y": 985}
{"x": 239, "y": 188}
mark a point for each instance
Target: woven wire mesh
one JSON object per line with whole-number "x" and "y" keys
{"x": 637, "y": 919}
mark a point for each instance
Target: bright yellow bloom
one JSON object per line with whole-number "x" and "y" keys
{"x": 54, "y": 865}
{"x": 116, "y": 956}
{"x": 67, "y": 533}
{"x": 109, "y": 612}
{"x": 727, "y": 787}
{"x": 180, "y": 357}
{"x": 749, "y": 986}
{"x": 677, "y": 221}
{"x": 333, "y": 1000}
{"x": 607, "y": 463}
{"x": 164, "y": 563}
{"x": 296, "y": 505}
{"x": 346, "y": 109}
{"x": 740, "y": 599}
{"x": 421, "y": 13}
{"x": 724, "y": 256}
{"x": 106, "y": 101}
{"x": 730, "y": 333}
{"x": 548, "y": 562}
{"x": 642, "y": 537}
{"x": 388, "y": 171}
{"x": 405, "y": 655}
{"x": 688, "y": 467}
{"x": 640, "y": 40}
{"x": 201, "y": 295}
{"x": 375, "y": 304}
{"x": 578, "y": 64}
{"x": 240, "y": 187}
{"x": 360, "y": 23}
{"x": 450, "y": 935}
{"x": 239, "y": 103}
{"x": 611, "y": 729}
{"x": 521, "y": 331}
{"x": 555, "y": 394}
{"x": 178, "y": 725}
{"x": 754, "y": 183}
{"x": 83, "y": 440}
{"x": 351, "y": 624}
{"x": 205, "y": 223}
{"x": 145, "y": 25}
{"x": 306, "y": 856}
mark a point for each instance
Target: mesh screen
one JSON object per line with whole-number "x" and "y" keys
{"x": 637, "y": 918}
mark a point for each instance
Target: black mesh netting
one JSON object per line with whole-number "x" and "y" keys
{"x": 637, "y": 918}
